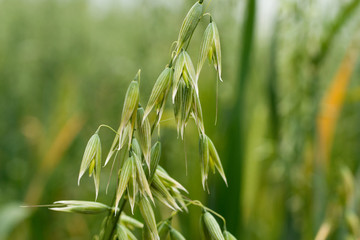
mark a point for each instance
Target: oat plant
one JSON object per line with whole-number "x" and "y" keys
{"x": 141, "y": 181}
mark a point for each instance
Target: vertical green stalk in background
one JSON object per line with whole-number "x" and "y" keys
{"x": 284, "y": 215}
{"x": 274, "y": 124}
{"x": 230, "y": 199}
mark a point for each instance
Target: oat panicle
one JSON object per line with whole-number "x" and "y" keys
{"x": 141, "y": 180}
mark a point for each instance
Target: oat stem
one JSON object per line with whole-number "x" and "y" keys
{"x": 114, "y": 218}
{"x": 198, "y": 204}
{"x": 207, "y": 14}
{"x": 107, "y": 126}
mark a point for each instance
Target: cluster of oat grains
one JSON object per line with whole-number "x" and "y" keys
{"x": 141, "y": 181}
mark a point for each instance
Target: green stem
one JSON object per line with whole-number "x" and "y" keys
{"x": 198, "y": 204}
{"x": 113, "y": 219}
{"x": 208, "y": 14}
{"x": 107, "y": 126}
{"x": 117, "y": 218}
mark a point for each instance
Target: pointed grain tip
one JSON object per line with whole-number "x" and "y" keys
{"x": 173, "y": 97}
{"x": 79, "y": 180}
{"x": 146, "y": 113}
{"x": 137, "y": 76}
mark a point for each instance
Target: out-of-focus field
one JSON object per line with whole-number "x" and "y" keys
{"x": 288, "y": 128}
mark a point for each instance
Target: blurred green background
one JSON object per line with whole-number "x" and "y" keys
{"x": 288, "y": 124}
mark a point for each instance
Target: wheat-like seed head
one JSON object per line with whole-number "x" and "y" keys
{"x": 141, "y": 178}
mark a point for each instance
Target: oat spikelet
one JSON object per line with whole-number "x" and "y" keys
{"x": 143, "y": 133}
{"x": 176, "y": 235}
{"x": 212, "y": 227}
{"x": 130, "y": 104}
{"x": 189, "y": 24}
{"x": 92, "y": 160}
{"x": 149, "y": 216}
{"x": 159, "y": 91}
{"x": 86, "y": 207}
{"x": 210, "y": 47}
{"x": 228, "y": 236}
{"x": 124, "y": 177}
